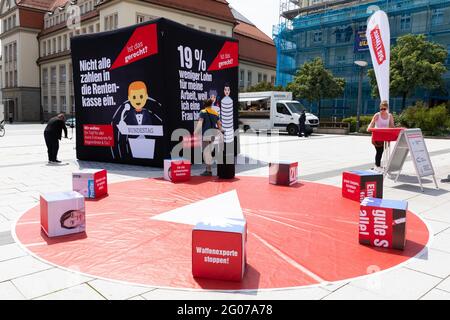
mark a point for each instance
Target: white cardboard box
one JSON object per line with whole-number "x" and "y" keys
{"x": 62, "y": 213}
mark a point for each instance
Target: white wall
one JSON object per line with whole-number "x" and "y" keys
{"x": 255, "y": 69}
{"x": 27, "y": 54}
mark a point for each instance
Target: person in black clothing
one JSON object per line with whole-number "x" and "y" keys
{"x": 207, "y": 122}
{"x": 301, "y": 125}
{"x": 53, "y": 133}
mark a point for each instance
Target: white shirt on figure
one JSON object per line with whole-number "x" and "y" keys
{"x": 139, "y": 117}
{"x": 227, "y": 119}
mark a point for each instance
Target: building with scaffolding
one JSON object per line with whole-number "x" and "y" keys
{"x": 334, "y": 30}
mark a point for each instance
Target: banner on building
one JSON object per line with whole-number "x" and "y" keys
{"x": 135, "y": 86}
{"x": 379, "y": 40}
{"x": 361, "y": 41}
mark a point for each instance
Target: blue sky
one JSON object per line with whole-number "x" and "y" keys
{"x": 263, "y": 13}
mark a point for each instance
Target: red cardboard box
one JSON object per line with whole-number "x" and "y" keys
{"x": 90, "y": 183}
{"x": 357, "y": 185}
{"x": 219, "y": 249}
{"x": 62, "y": 213}
{"x": 177, "y": 170}
{"x": 283, "y": 173}
{"x": 382, "y": 223}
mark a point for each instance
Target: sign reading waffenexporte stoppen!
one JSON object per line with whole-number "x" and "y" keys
{"x": 379, "y": 40}
{"x": 135, "y": 86}
{"x": 411, "y": 140}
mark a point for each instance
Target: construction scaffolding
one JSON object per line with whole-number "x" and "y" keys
{"x": 330, "y": 29}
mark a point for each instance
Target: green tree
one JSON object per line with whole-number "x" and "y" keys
{"x": 264, "y": 86}
{"x": 313, "y": 82}
{"x": 415, "y": 63}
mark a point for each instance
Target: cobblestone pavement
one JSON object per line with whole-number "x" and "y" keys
{"x": 25, "y": 174}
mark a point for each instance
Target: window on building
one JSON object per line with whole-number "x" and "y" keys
{"x": 343, "y": 34}
{"x": 223, "y": 33}
{"x": 437, "y": 17}
{"x": 70, "y": 73}
{"x": 62, "y": 73}
{"x": 116, "y": 21}
{"x": 213, "y": 31}
{"x": 5, "y": 50}
{"x": 72, "y": 104}
{"x": 340, "y": 59}
{"x": 54, "y": 102}
{"x": 317, "y": 37}
{"x": 241, "y": 78}
{"x": 362, "y": 27}
{"x": 83, "y": 31}
{"x": 54, "y": 45}
{"x": 65, "y": 42}
{"x": 10, "y": 53}
{"x": 202, "y": 28}
{"x": 44, "y": 49}
{"x": 405, "y": 22}
{"x": 259, "y": 77}
{"x": 15, "y": 78}
{"x": 49, "y": 47}
{"x": 6, "y": 79}
{"x": 249, "y": 78}
{"x": 44, "y": 77}
{"x": 140, "y": 17}
{"x": 11, "y": 79}
{"x": 62, "y": 103}
{"x": 272, "y": 80}
{"x": 53, "y": 75}
{"x": 13, "y": 20}
{"x": 190, "y": 25}
{"x": 45, "y": 103}
{"x": 4, "y": 26}
{"x": 97, "y": 27}
{"x": 111, "y": 22}
{"x": 265, "y": 78}
{"x": 59, "y": 44}
{"x": 91, "y": 28}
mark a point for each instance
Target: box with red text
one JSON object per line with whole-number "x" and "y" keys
{"x": 219, "y": 249}
{"x": 283, "y": 173}
{"x": 91, "y": 183}
{"x": 177, "y": 170}
{"x": 357, "y": 185}
{"x": 382, "y": 223}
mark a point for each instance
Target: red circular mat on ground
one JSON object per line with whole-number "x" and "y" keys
{"x": 297, "y": 236}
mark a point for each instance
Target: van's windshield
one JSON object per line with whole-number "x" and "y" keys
{"x": 295, "y": 107}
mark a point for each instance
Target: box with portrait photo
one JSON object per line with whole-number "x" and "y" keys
{"x": 62, "y": 213}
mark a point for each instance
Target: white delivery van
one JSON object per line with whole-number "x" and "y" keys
{"x": 272, "y": 110}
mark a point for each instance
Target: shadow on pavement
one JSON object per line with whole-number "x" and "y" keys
{"x": 416, "y": 188}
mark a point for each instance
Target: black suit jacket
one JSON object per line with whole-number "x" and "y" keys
{"x": 122, "y": 149}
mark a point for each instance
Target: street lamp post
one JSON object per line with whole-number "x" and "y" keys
{"x": 362, "y": 65}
